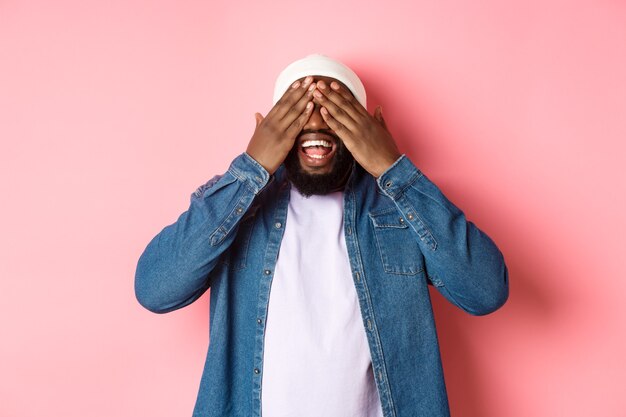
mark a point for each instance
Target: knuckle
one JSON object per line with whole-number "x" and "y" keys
{"x": 340, "y": 98}
{"x": 293, "y": 112}
{"x": 298, "y": 123}
{"x": 293, "y": 129}
{"x": 301, "y": 120}
{"x": 335, "y": 125}
{"x": 289, "y": 98}
{"x": 285, "y": 100}
{"x": 271, "y": 129}
{"x": 347, "y": 107}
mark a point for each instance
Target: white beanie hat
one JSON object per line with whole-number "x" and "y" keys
{"x": 322, "y": 65}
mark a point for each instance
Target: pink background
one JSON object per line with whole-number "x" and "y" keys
{"x": 113, "y": 112}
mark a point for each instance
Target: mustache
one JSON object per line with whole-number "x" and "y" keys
{"x": 322, "y": 131}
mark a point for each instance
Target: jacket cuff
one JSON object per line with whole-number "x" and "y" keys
{"x": 397, "y": 177}
{"x": 249, "y": 171}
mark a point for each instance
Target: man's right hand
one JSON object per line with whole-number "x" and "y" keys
{"x": 276, "y": 133}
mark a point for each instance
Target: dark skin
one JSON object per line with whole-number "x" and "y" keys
{"x": 322, "y": 108}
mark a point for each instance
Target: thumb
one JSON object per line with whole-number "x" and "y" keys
{"x": 378, "y": 115}
{"x": 259, "y": 118}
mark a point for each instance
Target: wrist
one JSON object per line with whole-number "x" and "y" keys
{"x": 385, "y": 165}
{"x": 261, "y": 161}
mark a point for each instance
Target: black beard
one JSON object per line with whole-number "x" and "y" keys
{"x": 319, "y": 184}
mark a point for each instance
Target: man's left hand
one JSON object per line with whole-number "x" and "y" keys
{"x": 366, "y": 136}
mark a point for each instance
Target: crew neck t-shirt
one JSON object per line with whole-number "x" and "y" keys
{"x": 316, "y": 358}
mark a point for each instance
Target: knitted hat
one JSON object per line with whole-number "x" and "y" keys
{"x": 322, "y": 65}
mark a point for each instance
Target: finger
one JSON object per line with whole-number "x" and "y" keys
{"x": 344, "y": 102}
{"x": 275, "y": 111}
{"x": 296, "y": 126}
{"x": 259, "y": 118}
{"x": 342, "y": 131}
{"x": 339, "y": 88}
{"x": 378, "y": 115}
{"x": 296, "y": 108}
{"x": 293, "y": 94}
{"x": 348, "y": 96}
{"x": 336, "y": 112}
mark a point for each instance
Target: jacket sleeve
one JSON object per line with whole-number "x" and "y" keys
{"x": 173, "y": 271}
{"x": 462, "y": 262}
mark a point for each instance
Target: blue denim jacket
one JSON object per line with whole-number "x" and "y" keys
{"x": 402, "y": 234}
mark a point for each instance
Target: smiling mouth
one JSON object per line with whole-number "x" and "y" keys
{"x": 317, "y": 147}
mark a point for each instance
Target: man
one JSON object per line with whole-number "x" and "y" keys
{"x": 324, "y": 211}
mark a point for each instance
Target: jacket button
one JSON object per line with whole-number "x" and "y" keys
{"x": 259, "y": 321}
{"x": 388, "y": 184}
{"x": 256, "y": 371}
{"x": 278, "y": 225}
{"x": 239, "y": 210}
{"x": 267, "y": 272}
{"x": 410, "y": 216}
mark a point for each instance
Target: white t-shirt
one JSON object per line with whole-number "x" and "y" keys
{"x": 316, "y": 357}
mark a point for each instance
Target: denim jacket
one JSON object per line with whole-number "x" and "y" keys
{"x": 402, "y": 234}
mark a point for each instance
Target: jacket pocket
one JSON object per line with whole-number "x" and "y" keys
{"x": 397, "y": 243}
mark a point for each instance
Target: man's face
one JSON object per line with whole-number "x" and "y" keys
{"x": 319, "y": 162}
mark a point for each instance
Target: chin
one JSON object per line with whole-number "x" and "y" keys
{"x": 321, "y": 179}
{"x": 326, "y": 169}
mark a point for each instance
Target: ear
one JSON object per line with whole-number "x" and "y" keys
{"x": 259, "y": 118}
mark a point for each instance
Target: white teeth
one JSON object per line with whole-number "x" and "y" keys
{"x": 317, "y": 156}
{"x": 324, "y": 143}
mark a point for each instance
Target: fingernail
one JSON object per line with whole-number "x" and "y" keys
{"x": 312, "y": 87}
{"x": 323, "y": 110}
{"x": 321, "y": 84}
{"x": 295, "y": 85}
{"x": 309, "y": 105}
{"x": 334, "y": 85}
{"x": 308, "y": 80}
{"x": 317, "y": 94}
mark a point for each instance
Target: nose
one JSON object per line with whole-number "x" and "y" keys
{"x": 316, "y": 121}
